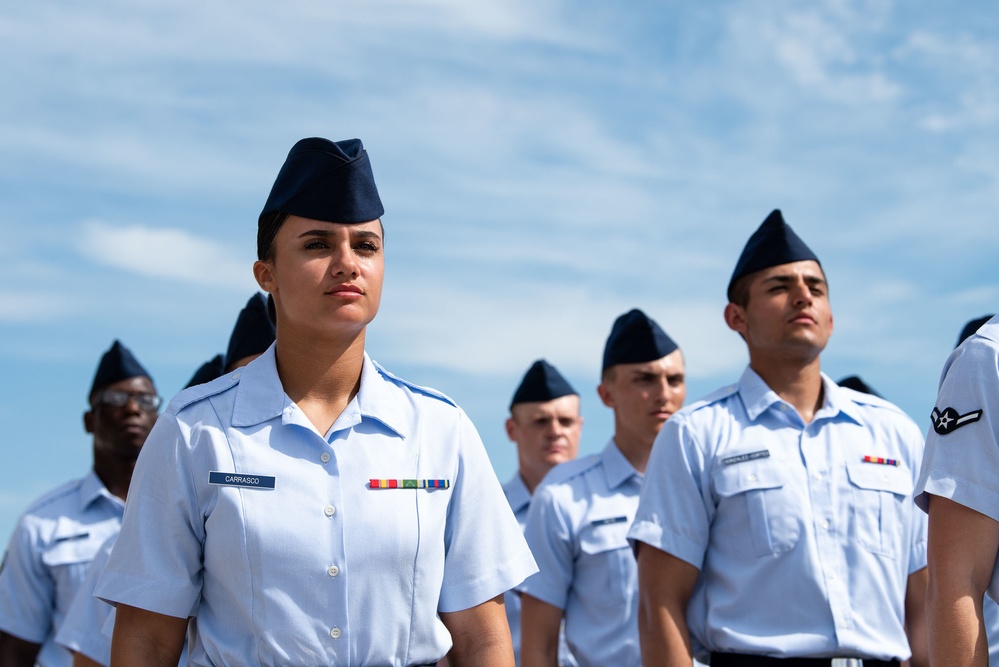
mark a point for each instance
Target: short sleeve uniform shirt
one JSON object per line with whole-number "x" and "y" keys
{"x": 961, "y": 461}
{"x": 577, "y": 528}
{"x": 288, "y": 546}
{"x": 47, "y": 560}
{"x": 520, "y": 498}
{"x": 804, "y": 534}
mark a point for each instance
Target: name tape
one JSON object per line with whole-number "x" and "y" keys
{"x": 241, "y": 479}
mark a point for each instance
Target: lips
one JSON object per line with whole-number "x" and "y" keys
{"x": 345, "y": 290}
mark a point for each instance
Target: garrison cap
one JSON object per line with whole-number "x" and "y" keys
{"x": 971, "y": 328}
{"x": 854, "y": 382}
{"x": 542, "y": 382}
{"x": 323, "y": 180}
{"x": 254, "y": 330}
{"x": 636, "y": 338}
{"x": 117, "y": 364}
{"x": 772, "y": 244}
{"x": 207, "y": 372}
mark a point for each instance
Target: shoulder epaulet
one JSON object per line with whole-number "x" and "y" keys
{"x": 406, "y": 383}
{"x": 53, "y": 495}
{"x": 202, "y": 391}
{"x": 563, "y": 472}
{"x": 862, "y": 398}
{"x": 712, "y": 398}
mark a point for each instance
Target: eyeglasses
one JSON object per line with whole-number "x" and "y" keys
{"x": 120, "y": 399}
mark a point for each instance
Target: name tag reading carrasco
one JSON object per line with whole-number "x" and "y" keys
{"x": 240, "y": 479}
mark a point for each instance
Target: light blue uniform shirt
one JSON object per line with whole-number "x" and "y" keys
{"x": 520, "y": 499}
{"x": 804, "y": 549}
{"x": 321, "y": 568}
{"x": 961, "y": 461}
{"x": 577, "y": 528}
{"x": 89, "y": 623}
{"x": 47, "y": 560}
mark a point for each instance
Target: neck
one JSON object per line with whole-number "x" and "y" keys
{"x": 115, "y": 474}
{"x": 636, "y": 449}
{"x": 799, "y": 382}
{"x": 530, "y": 480}
{"x": 321, "y": 377}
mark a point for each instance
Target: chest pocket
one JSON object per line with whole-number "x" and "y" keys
{"x": 756, "y": 516}
{"x": 879, "y": 492}
{"x": 67, "y": 559}
{"x": 606, "y": 563}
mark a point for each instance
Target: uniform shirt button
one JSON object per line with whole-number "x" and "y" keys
{"x": 751, "y": 477}
{"x": 333, "y": 570}
{"x": 335, "y": 633}
{"x": 330, "y": 510}
{"x": 325, "y": 457}
{"x": 825, "y": 525}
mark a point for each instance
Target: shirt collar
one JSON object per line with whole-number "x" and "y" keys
{"x": 92, "y": 489}
{"x": 516, "y": 493}
{"x": 617, "y": 468}
{"x": 758, "y": 397}
{"x": 260, "y": 397}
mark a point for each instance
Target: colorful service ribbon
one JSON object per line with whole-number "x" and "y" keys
{"x": 880, "y": 460}
{"x": 409, "y": 483}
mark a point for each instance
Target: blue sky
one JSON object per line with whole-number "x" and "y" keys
{"x": 545, "y": 166}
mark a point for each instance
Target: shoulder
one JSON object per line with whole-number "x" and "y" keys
{"x": 411, "y": 387}
{"x": 569, "y": 473}
{"x": 706, "y": 409}
{"x": 56, "y": 502}
{"x": 192, "y": 395}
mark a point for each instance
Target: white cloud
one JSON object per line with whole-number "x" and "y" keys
{"x": 35, "y": 306}
{"x": 174, "y": 254}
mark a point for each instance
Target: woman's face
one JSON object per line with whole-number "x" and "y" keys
{"x": 324, "y": 276}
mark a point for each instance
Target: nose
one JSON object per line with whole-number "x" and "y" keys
{"x": 344, "y": 262}
{"x": 801, "y": 294}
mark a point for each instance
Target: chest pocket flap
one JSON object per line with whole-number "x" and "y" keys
{"x": 731, "y": 480}
{"x": 603, "y": 535}
{"x": 67, "y": 550}
{"x": 874, "y": 477}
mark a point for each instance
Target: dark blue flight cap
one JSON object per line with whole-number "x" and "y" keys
{"x": 117, "y": 364}
{"x": 207, "y": 372}
{"x": 323, "y": 180}
{"x": 772, "y": 244}
{"x": 636, "y": 338}
{"x": 254, "y": 330}
{"x": 971, "y": 328}
{"x": 542, "y": 382}
{"x": 854, "y": 382}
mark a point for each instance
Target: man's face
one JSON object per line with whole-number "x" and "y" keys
{"x": 120, "y": 431}
{"x": 788, "y": 311}
{"x": 546, "y": 432}
{"x": 643, "y": 396}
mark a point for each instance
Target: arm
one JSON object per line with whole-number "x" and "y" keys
{"x": 146, "y": 639}
{"x": 80, "y": 660}
{"x": 539, "y": 627}
{"x": 665, "y": 584}
{"x": 915, "y": 618}
{"x": 962, "y": 553}
{"x": 480, "y": 635}
{"x": 17, "y": 652}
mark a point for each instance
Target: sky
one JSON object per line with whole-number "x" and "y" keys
{"x": 545, "y": 166}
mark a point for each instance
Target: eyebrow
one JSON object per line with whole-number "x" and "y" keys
{"x": 811, "y": 280}
{"x": 365, "y": 234}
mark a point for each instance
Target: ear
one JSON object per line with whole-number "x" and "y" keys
{"x": 263, "y": 272}
{"x": 605, "y": 395}
{"x": 735, "y": 318}
{"x": 511, "y": 429}
{"x": 88, "y": 421}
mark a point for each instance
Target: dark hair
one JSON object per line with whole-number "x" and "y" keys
{"x": 738, "y": 291}
{"x": 267, "y": 229}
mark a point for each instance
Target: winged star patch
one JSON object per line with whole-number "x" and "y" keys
{"x": 948, "y": 420}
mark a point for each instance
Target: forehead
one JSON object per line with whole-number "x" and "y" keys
{"x": 137, "y": 385}
{"x": 808, "y": 269}
{"x": 296, "y": 225}
{"x": 670, "y": 364}
{"x": 560, "y": 407}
